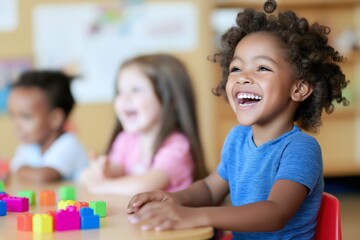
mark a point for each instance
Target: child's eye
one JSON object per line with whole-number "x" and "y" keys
{"x": 135, "y": 89}
{"x": 235, "y": 69}
{"x": 262, "y": 68}
{"x": 25, "y": 116}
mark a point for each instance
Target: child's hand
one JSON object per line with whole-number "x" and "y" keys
{"x": 110, "y": 170}
{"x": 161, "y": 216}
{"x": 139, "y": 200}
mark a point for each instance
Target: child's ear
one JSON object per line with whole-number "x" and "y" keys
{"x": 301, "y": 91}
{"x": 57, "y": 118}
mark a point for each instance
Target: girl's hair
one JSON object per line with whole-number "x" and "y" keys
{"x": 55, "y": 85}
{"x": 306, "y": 48}
{"x": 172, "y": 85}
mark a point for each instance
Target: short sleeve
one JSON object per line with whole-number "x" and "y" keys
{"x": 301, "y": 162}
{"x": 174, "y": 158}
{"x": 67, "y": 156}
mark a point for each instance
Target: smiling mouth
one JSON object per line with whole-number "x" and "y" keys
{"x": 247, "y": 99}
{"x": 130, "y": 113}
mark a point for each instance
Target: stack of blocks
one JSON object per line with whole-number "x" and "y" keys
{"x": 71, "y": 215}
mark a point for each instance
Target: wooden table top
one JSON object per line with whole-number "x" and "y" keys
{"x": 113, "y": 226}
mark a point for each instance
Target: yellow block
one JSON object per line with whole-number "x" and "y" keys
{"x": 64, "y": 203}
{"x": 42, "y": 223}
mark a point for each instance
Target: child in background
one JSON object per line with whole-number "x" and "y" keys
{"x": 39, "y": 105}
{"x": 279, "y": 74}
{"x": 156, "y": 143}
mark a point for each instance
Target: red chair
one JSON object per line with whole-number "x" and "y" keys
{"x": 329, "y": 225}
{"x": 328, "y": 220}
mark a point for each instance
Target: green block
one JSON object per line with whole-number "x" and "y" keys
{"x": 99, "y": 208}
{"x": 28, "y": 194}
{"x": 67, "y": 193}
{"x": 2, "y": 187}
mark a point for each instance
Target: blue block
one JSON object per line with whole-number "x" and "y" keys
{"x": 88, "y": 219}
{"x": 2, "y": 208}
{"x": 86, "y": 212}
{"x": 90, "y": 222}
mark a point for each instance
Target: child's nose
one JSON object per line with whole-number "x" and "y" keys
{"x": 244, "y": 80}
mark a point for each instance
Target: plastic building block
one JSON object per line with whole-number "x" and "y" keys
{"x": 80, "y": 205}
{"x": 53, "y": 214}
{"x": 67, "y": 193}
{"x": 42, "y": 223}
{"x": 2, "y": 186}
{"x": 63, "y": 204}
{"x": 68, "y": 219}
{"x": 99, "y": 207}
{"x": 16, "y": 204}
{"x": 4, "y": 168}
{"x": 88, "y": 219}
{"x": 47, "y": 198}
{"x": 3, "y": 194}
{"x": 28, "y": 194}
{"x": 2, "y": 208}
{"x": 24, "y": 222}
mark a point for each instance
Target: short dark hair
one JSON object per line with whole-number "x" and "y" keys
{"x": 307, "y": 50}
{"x": 55, "y": 84}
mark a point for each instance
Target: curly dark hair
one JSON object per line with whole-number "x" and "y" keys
{"x": 307, "y": 49}
{"x": 55, "y": 84}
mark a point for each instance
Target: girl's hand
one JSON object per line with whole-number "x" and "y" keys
{"x": 165, "y": 215}
{"x": 139, "y": 200}
{"x": 109, "y": 170}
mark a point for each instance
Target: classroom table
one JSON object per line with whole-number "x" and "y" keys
{"x": 113, "y": 226}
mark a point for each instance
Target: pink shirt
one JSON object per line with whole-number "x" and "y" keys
{"x": 173, "y": 157}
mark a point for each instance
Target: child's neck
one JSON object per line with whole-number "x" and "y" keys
{"x": 263, "y": 134}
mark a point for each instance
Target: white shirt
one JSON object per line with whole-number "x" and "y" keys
{"x": 66, "y": 155}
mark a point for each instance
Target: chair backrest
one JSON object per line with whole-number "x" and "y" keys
{"x": 328, "y": 219}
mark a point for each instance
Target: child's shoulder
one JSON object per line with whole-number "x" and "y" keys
{"x": 67, "y": 141}
{"x": 239, "y": 129}
{"x": 300, "y": 139}
{"x": 177, "y": 136}
{"x": 178, "y": 140}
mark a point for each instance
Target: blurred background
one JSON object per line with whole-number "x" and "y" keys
{"x": 91, "y": 38}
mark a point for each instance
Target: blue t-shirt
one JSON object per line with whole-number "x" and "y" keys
{"x": 252, "y": 170}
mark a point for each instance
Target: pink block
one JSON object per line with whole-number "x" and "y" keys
{"x": 16, "y": 204}
{"x": 68, "y": 219}
{"x": 2, "y": 195}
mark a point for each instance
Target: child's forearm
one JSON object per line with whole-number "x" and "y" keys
{"x": 262, "y": 216}
{"x": 131, "y": 185}
{"x": 210, "y": 191}
{"x": 43, "y": 174}
{"x": 197, "y": 195}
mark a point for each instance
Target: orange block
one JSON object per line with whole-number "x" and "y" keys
{"x": 79, "y": 205}
{"x": 24, "y": 222}
{"x": 47, "y": 198}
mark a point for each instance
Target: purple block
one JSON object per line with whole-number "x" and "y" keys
{"x": 16, "y": 204}
{"x": 2, "y": 208}
{"x": 3, "y": 194}
{"x": 68, "y": 219}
